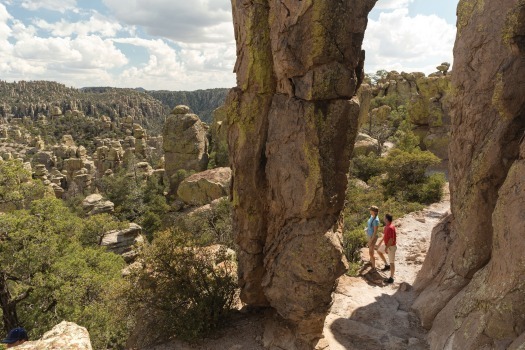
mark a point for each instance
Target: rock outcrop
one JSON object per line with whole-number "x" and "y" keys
{"x": 96, "y": 204}
{"x": 64, "y": 336}
{"x": 185, "y": 144}
{"x": 292, "y": 124}
{"x": 203, "y": 188}
{"x": 473, "y": 298}
{"x": 122, "y": 241}
{"x": 426, "y": 102}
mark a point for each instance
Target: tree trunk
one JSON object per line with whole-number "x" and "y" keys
{"x": 9, "y": 316}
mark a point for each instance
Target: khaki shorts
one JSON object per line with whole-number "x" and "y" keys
{"x": 392, "y": 254}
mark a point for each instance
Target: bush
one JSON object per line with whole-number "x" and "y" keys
{"x": 353, "y": 241}
{"x": 405, "y": 169}
{"x": 209, "y": 226}
{"x": 429, "y": 192}
{"x": 183, "y": 290}
{"x": 365, "y": 167}
{"x": 51, "y": 276}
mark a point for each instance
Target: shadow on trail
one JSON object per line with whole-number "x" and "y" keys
{"x": 386, "y": 324}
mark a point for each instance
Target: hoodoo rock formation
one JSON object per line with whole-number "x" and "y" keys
{"x": 472, "y": 283}
{"x": 185, "y": 144}
{"x": 292, "y": 123}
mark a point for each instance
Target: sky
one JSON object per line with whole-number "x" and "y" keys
{"x": 186, "y": 44}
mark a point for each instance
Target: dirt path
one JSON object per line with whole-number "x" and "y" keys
{"x": 366, "y": 314}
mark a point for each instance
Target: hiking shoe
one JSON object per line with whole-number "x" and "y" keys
{"x": 388, "y": 280}
{"x": 386, "y": 268}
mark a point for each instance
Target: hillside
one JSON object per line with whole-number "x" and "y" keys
{"x": 202, "y": 102}
{"x": 149, "y": 108}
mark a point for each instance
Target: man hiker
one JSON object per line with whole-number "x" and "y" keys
{"x": 389, "y": 240}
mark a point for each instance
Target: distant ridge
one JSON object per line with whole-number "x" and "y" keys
{"x": 30, "y": 98}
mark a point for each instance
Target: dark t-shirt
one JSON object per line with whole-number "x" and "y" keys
{"x": 389, "y": 233}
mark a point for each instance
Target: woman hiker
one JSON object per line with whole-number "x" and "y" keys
{"x": 371, "y": 232}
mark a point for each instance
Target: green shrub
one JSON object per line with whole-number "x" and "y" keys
{"x": 209, "y": 226}
{"x": 429, "y": 192}
{"x": 364, "y": 167}
{"x": 51, "y": 276}
{"x": 182, "y": 291}
{"x": 353, "y": 241}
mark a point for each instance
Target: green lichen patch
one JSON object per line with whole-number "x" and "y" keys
{"x": 466, "y": 8}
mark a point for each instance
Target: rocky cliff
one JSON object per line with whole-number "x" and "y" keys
{"x": 292, "y": 121}
{"x": 472, "y": 284}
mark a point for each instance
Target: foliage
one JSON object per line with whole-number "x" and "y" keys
{"x": 208, "y": 226}
{"x": 365, "y": 167}
{"x": 430, "y": 191}
{"x": 219, "y": 157}
{"x": 137, "y": 200}
{"x": 392, "y": 100}
{"x": 183, "y": 290}
{"x": 406, "y": 167}
{"x": 50, "y": 276}
{"x": 16, "y": 188}
{"x": 94, "y": 227}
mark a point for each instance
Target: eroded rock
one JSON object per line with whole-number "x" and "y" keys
{"x": 292, "y": 125}
{"x": 477, "y": 293}
{"x": 65, "y": 335}
{"x": 185, "y": 144}
{"x": 202, "y": 188}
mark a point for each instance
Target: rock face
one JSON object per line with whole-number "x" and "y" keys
{"x": 365, "y": 144}
{"x": 65, "y": 335}
{"x": 202, "y": 188}
{"x": 96, "y": 204}
{"x": 121, "y": 241}
{"x": 292, "y": 123}
{"x": 473, "y": 299}
{"x": 426, "y": 100}
{"x": 185, "y": 144}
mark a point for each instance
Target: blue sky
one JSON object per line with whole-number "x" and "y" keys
{"x": 183, "y": 44}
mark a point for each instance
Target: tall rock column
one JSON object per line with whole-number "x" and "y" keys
{"x": 185, "y": 145}
{"x": 293, "y": 120}
{"x": 473, "y": 298}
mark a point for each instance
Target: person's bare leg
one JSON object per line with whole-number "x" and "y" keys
{"x": 392, "y": 269}
{"x": 382, "y": 256}
{"x": 371, "y": 250}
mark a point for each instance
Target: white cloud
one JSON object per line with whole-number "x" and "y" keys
{"x": 97, "y": 24}
{"x": 54, "y": 5}
{"x": 392, "y": 4}
{"x": 192, "y": 67}
{"x": 181, "y": 21}
{"x": 5, "y": 30}
{"x": 397, "y": 41}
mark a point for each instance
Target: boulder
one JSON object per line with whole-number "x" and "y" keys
{"x": 206, "y": 186}
{"x": 64, "y": 336}
{"x": 96, "y": 204}
{"x": 364, "y": 145}
{"x": 122, "y": 241}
